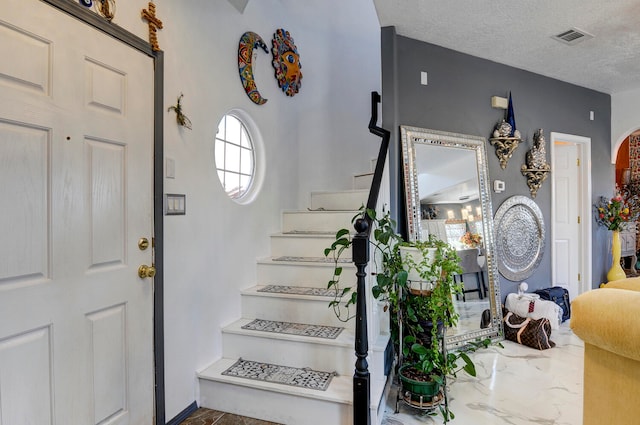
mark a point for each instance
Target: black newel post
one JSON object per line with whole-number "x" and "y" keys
{"x": 361, "y": 380}
{"x": 360, "y": 252}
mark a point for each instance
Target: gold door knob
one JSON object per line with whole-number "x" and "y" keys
{"x": 146, "y": 271}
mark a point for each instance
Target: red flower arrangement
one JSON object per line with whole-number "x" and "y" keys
{"x": 613, "y": 213}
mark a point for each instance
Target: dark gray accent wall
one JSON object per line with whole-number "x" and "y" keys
{"x": 457, "y": 99}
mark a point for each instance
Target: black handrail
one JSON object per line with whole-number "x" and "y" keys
{"x": 360, "y": 252}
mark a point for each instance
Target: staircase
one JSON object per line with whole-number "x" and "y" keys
{"x": 297, "y": 260}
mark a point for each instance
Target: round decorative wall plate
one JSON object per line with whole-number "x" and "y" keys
{"x": 519, "y": 237}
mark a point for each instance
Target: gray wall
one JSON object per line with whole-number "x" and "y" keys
{"x": 457, "y": 99}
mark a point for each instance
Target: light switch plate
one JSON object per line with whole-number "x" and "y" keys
{"x": 170, "y": 171}
{"x": 175, "y": 204}
{"x": 424, "y": 80}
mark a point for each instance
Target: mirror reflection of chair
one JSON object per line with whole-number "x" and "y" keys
{"x": 470, "y": 265}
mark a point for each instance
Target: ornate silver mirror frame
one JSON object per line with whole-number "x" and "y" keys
{"x": 436, "y": 150}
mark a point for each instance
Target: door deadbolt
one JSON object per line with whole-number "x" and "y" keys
{"x": 143, "y": 243}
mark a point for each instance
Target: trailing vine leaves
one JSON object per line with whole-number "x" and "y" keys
{"x": 385, "y": 258}
{"x": 342, "y": 242}
{"x": 423, "y": 314}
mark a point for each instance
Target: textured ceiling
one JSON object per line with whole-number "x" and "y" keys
{"x": 518, "y": 33}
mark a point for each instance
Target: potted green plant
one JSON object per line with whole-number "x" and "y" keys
{"x": 418, "y": 289}
{"x": 426, "y": 366}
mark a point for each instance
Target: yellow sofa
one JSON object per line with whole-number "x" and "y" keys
{"x": 608, "y": 321}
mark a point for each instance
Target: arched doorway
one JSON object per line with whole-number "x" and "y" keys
{"x": 627, "y": 180}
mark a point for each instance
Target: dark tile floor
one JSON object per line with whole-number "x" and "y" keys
{"x": 204, "y": 416}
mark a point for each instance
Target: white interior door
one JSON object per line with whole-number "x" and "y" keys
{"x": 76, "y": 149}
{"x": 567, "y": 235}
{"x": 571, "y": 262}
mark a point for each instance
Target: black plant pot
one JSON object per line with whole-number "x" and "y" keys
{"x": 425, "y": 336}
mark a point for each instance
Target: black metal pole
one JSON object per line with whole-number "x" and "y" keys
{"x": 361, "y": 378}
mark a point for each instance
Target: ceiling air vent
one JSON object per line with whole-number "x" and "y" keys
{"x": 572, "y": 36}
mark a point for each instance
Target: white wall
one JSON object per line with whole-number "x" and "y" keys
{"x": 625, "y": 118}
{"x": 315, "y": 140}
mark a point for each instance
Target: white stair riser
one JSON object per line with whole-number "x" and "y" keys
{"x": 318, "y": 221}
{"x": 272, "y": 406}
{"x": 314, "y": 275}
{"x": 328, "y": 358}
{"x": 292, "y": 310}
{"x": 305, "y": 234}
{"x": 339, "y": 201}
{"x": 302, "y": 246}
{"x": 363, "y": 181}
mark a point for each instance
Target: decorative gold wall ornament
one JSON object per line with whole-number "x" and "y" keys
{"x": 536, "y": 169}
{"x": 535, "y": 178}
{"x": 505, "y": 139}
{"x": 505, "y": 136}
{"x": 505, "y": 146}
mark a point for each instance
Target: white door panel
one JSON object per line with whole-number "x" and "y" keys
{"x": 76, "y": 152}
{"x": 567, "y": 249}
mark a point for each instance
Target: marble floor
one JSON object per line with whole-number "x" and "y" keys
{"x": 515, "y": 385}
{"x": 470, "y": 313}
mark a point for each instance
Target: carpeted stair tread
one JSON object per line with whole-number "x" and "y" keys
{"x": 297, "y": 290}
{"x": 279, "y": 374}
{"x": 339, "y": 390}
{"x": 344, "y": 338}
{"x": 290, "y": 328}
{"x": 307, "y": 233}
{"x": 292, "y": 258}
{"x": 256, "y": 290}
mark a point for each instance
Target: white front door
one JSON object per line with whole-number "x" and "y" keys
{"x": 76, "y": 151}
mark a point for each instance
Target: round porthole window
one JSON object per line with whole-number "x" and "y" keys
{"x": 236, "y": 157}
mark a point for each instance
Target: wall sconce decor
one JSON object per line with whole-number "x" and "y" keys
{"x": 505, "y": 137}
{"x": 536, "y": 169}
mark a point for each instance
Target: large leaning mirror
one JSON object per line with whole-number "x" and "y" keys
{"x": 448, "y": 195}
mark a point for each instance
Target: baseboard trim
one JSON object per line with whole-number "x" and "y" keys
{"x": 184, "y": 414}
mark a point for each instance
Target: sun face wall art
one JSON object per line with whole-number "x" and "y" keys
{"x": 286, "y": 62}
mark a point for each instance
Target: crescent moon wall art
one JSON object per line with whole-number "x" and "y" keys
{"x": 248, "y": 42}
{"x": 286, "y": 62}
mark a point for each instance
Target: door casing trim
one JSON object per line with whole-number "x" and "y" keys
{"x": 584, "y": 145}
